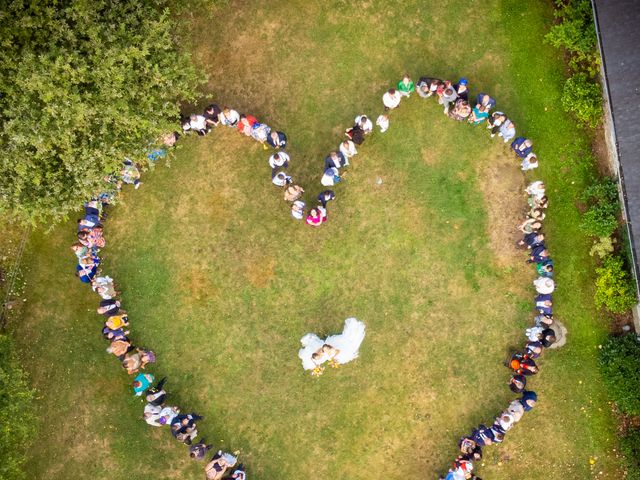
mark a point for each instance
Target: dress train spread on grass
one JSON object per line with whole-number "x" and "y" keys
{"x": 341, "y": 348}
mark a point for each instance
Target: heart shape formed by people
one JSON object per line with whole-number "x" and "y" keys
{"x": 134, "y": 360}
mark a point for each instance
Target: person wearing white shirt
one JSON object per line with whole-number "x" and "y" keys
{"x": 348, "y": 149}
{"x": 281, "y": 179}
{"x": 383, "y": 123}
{"x": 297, "y": 210}
{"x": 364, "y": 123}
{"x": 391, "y": 99}
{"x": 330, "y": 177}
{"x": 277, "y": 161}
{"x": 199, "y": 124}
{"x": 544, "y": 285}
{"x": 229, "y": 117}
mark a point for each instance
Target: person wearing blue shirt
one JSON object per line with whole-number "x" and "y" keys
{"x": 522, "y": 147}
{"x": 528, "y": 400}
{"x": 485, "y": 100}
{"x": 142, "y": 382}
{"x": 277, "y": 139}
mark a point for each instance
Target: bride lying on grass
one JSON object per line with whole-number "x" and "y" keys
{"x": 336, "y": 349}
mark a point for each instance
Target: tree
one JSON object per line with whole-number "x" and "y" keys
{"x": 82, "y": 85}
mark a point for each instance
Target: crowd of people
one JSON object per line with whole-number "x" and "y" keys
{"x": 454, "y": 98}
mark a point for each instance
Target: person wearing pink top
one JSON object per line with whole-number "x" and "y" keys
{"x": 317, "y": 216}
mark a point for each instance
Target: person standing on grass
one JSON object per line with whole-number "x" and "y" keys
{"x": 528, "y": 400}
{"x": 277, "y": 139}
{"x": 517, "y": 383}
{"x": 544, "y": 304}
{"x": 462, "y": 89}
{"x": 219, "y": 464}
{"x": 427, "y": 87}
{"x": 391, "y": 99}
{"x": 199, "y": 450}
{"x": 229, "y": 117}
{"x": 348, "y": 149}
{"x": 142, "y": 382}
{"x": 211, "y": 114}
{"x": 529, "y": 162}
{"x": 317, "y": 216}
{"x": 530, "y": 225}
{"x": 198, "y": 123}
{"x": 495, "y": 121}
{"x": 448, "y": 97}
{"x": 335, "y": 160}
{"x": 364, "y": 123}
{"x": 383, "y": 122}
{"x": 484, "y": 100}
{"x": 278, "y": 161}
{"x": 507, "y": 130}
{"x": 479, "y": 114}
{"x": 246, "y": 123}
{"x": 522, "y": 147}
{"x": 325, "y": 197}
{"x": 293, "y": 193}
{"x": 406, "y": 86}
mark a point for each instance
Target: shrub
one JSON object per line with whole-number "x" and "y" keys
{"x": 601, "y": 219}
{"x": 581, "y": 96}
{"x": 615, "y": 290}
{"x": 619, "y": 360}
{"x": 16, "y": 414}
{"x": 630, "y": 448}
{"x": 576, "y": 32}
{"x": 82, "y": 85}
{"x": 603, "y": 247}
{"x": 604, "y": 190}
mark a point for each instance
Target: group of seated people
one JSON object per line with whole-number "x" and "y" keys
{"x": 454, "y": 98}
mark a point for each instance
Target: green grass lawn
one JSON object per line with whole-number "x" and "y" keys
{"x": 221, "y": 283}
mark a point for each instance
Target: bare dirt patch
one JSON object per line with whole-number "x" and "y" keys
{"x": 502, "y": 186}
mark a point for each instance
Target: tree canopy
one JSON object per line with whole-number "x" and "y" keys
{"x": 83, "y": 84}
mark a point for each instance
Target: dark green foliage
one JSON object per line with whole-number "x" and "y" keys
{"x": 630, "y": 448}
{"x": 581, "y": 96}
{"x": 576, "y": 33}
{"x": 82, "y": 85}
{"x": 601, "y": 218}
{"x": 17, "y": 422}
{"x": 615, "y": 289}
{"x": 619, "y": 360}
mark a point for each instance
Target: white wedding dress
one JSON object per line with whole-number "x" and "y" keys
{"x": 348, "y": 344}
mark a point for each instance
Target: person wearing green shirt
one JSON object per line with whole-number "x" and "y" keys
{"x": 406, "y": 86}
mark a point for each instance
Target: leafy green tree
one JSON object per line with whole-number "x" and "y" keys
{"x": 17, "y": 422}
{"x": 82, "y": 85}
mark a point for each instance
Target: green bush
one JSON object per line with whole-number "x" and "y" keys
{"x": 603, "y": 247}
{"x": 619, "y": 360}
{"x": 82, "y": 86}
{"x": 601, "y": 218}
{"x": 615, "y": 290}
{"x": 604, "y": 190}
{"x": 576, "y": 32}
{"x": 17, "y": 422}
{"x": 581, "y": 96}
{"x": 630, "y": 448}
{"x": 599, "y": 221}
